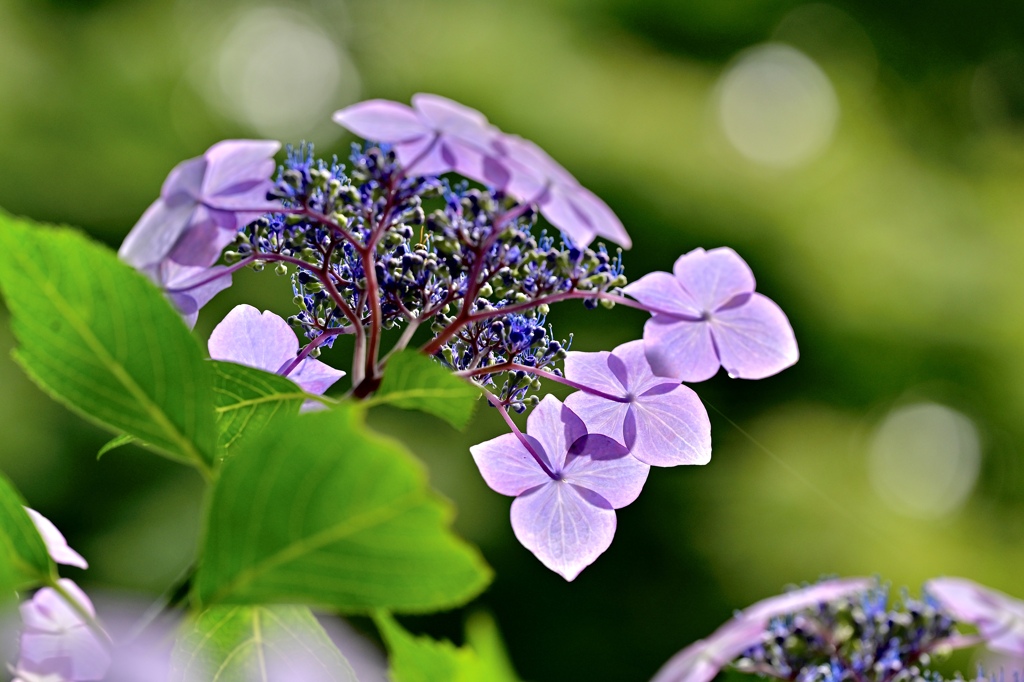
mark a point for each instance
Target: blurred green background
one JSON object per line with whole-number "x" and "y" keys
{"x": 865, "y": 157}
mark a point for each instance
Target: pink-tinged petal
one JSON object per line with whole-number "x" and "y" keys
{"x": 185, "y": 181}
{"x": 506, "y": 465}
{"x": 564, "y": 529}
{"x": 662, "y": 292}
{"x": 600, "y": 415}
{"x": 156, "y": 233}
{"x": 56, "y": 546}
{"x": 998, "y": 616}
{"x": 592, "y": 369}
{"x": 236, "y": 165}
{"x": 264, "y": 341}
{"x": 680, "y": 349}
{"x": 754, "y": 340}
{"x": 314, "y": 376}
{"x": 453, "y": 119}
{"x": 601, "y": 465}
{"x": 382, "y": 120}
{"x": 715, "y": 277}
{"x": 672, "y": 427}
{"x": 702, "y": 660}
{"x": 55, "y": 636}
{"x": 556, "y": 428}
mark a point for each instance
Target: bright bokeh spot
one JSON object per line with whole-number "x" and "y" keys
{"x": 777, "y": 107}
{"x": 280, "y": 74}
{"x": 924, "y": 460}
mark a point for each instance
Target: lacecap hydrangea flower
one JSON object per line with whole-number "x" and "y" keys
{"x": 392, "y": 239}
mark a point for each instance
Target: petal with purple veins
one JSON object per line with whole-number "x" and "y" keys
{"x": 156, "y": 233}
{"x": 672, "y": 427}
{"x": 382, "y": 121}
{"x": 603, "y": 466}
{"x": 314, "y": 376}
{"x": 507, "y": 466}
{"x": 556, "y": 428}
{"x": 680, "y": 349}
{"x": 593, "y": 370}
{"x": 264, "y": 341}
{"x": 564, "y": 528}
{"x": 601, "y": 416}
{"x": 662, "y": 292}
{"x": 715, "y": 277}
{"x": 236, "y": 165}
{"x": 754, "y": 340}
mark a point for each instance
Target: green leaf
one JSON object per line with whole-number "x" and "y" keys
{"x": 257, "y": 644}
{"x": 422, "y": 659}
{"x": 319, "y": 510}
{"x": 413, "y": 381}
{"x": 247, "y": 399}
{"x": 114, "y": 443}
{"x": 100, "y": 338}
{"x": 24, "y": 561}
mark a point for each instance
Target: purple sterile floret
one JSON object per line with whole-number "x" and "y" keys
{"x": 265, "y": 341}
{"x": 189, "y": 287}
{"x": 56, "y": 643}
{"x": 661, "y": 422}
{"x": 567, "y": 486}
{"x": 203, "y": 204}
{"x": 706, "y": 314}
{"x": 538, "y": 179}
{"x": 56, "y": 546}
{"x": 702, "y": 660}
{"x": 434, "y": 136}
{"x": 998, "y": 616}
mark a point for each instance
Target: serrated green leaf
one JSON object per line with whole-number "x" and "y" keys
{"x": 100, "y": 338}
{"x": 413, "y": 381}
{"x": 422, "y": 659}
{"x": 319, "y": 510}
{"x": 257, "y": 644}
{"x": 24, "y": 561}
{"x": 115, "y": 443}
{"x": 247, "y": 399}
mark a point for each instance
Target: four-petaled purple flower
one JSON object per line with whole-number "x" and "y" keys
{"x": 56, "y": 546}
{"x": 998, "y": 617}
{"x": 56, "y": 643}
{"x": 662, "y": 422}
{"x": 265, "y": 341}
{"x": 567, "y": 484}
{"x": 706, "y": 314}
{"x": 702, "y": 660}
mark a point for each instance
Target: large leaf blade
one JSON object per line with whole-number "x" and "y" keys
{"x": 257, "y": 644}
{"x": 413, "y": 381}
{"x": 247, "y": 399}
{"x": 100, "y": 338}
{"x": 24, "y": 561}
{"x": 319, "y": 510}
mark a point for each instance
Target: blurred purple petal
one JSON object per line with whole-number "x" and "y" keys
{"x": 506, "y": 465}
{"x": 383, "y": 121}
{"x": 998, "y": 616}
{"x": 754, "y": 340}
{"x": 156, "y": 233}
{"x": 190, "y": 288}
{"x": 56, "y": 638}
{"x": 56, "y": 545}
{"x": 562, "y": 529}
{"x": 713, "y": 278}
{"x": 456, "y": 120}
{"x": 236, "y": 168}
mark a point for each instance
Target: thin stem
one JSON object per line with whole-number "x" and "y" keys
{"x": 325, "y": 334}
{"x": 543, "y": 374}
{"x": 494, "y": 400}
{"x": 403, "y": 340}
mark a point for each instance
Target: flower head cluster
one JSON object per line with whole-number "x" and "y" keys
{"x": 389, "y": 240}
{"x": 851, "y": 631}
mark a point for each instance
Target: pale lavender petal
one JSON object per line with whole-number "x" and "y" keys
{"x": 601, "y": 217}
{"x": 592, "y": 369}
{"x": 56, "y": 545}
{"x": 556, "y": 428}
{"x": 531, "y": 162}
{"x": 382, "y": 120}
{"x": 209, "y": 231}
{"x": 662, "y": 292}
{"x": 680, "y": 349}
{"x": 156, "y": 233}
{"x": 672, "y": 428}
{"x": 234, "y": 166}
{"x": 754, "y": 340}
{"x": 630, "y": 361}
{"x": 264, "y": 341}
{"x": 562, "y": 210}
{"x": 56, "y": 637}
{"x": 998, "y": 616}
{"x": 453, "y": 119}
{"x": 423, "y": 156}
{"x": 507, "y": 466}
{"x": 805, "y": 597}
{"x": 314, "y": 376}
{"x": 702, "y": 660}
{"x": 603, "y": 466}
{"x": 190, "y": 288}
{"x": 600, "y": 415}
{"x": 185, "y": 181}
{"x": 563, "y": 529}
{"x": 714, "y": 277}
